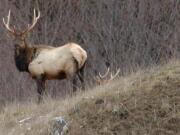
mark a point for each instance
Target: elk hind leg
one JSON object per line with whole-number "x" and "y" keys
{"x": 74, "y": 84}
{"x": 81, "y": 77}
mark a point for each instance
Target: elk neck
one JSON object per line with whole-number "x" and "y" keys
{"x": 23, "y": 55}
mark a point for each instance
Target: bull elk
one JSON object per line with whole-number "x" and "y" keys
{"x": 106, "y": 77}
{"x": 46, "y": 62}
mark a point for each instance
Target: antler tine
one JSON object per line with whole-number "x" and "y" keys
{"x": 36, "y": 18}
{"x": 7, "y": 24}
{"x": 114, "y": 76}
{"x": 103, "y": 76}
{"x": 33, "y": 22}
{"x": 8, "y": 17}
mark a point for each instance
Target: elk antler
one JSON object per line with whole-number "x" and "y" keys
{"x": 12, "y": 30}
{"x": 115, "y": 75}
{"x": 35, "y": 19}
{"x": 105, "y": 74}
{"x": 104, "y": 78}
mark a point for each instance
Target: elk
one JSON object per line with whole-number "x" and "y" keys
{"x": 45, "y": 62}
{"x": 106, "y": 77}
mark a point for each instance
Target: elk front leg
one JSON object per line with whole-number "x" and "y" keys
{"x": 40, "y": 87}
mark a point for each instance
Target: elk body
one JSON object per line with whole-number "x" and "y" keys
{"x": 46, "y": 62}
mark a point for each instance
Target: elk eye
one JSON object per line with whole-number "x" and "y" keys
{"x": 22, "y": 51}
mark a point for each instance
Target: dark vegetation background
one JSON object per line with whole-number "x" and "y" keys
{"x": 125, "y": 34}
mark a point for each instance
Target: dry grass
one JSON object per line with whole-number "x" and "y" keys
{"x": 146, "y": 102}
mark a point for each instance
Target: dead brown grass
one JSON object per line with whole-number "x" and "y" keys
{"x": 146, "y": 102}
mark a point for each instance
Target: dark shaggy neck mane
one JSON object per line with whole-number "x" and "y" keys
{"x": 23, "y": 56}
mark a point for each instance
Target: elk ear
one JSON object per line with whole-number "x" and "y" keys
{"x": 17, "y": 46}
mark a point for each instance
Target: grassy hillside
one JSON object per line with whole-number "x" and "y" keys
{"x": 146, "y": 102}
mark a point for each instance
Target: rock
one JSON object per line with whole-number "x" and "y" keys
{"x": 59, "y": 126}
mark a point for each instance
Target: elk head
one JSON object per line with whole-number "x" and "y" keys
{"x": 21, "y": 46}
{"x": 106, "y": 77}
